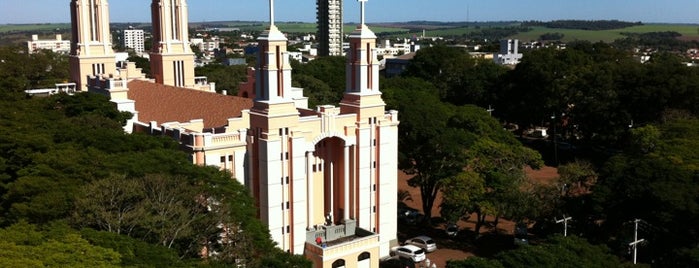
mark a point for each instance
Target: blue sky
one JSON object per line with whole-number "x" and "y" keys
{"x": 676, "y": 11}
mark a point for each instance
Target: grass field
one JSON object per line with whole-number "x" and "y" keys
{"x": 301, "y": 27}
{"x": 5, "y": 28}
{"x": 687, "y": 31}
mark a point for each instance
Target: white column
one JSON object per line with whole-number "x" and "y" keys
{"x": 332, "y": 192}
{"x": 347, "y": 185}
{"x": 309, "y": 182}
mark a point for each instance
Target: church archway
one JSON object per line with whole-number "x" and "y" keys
{"x": 333, "y": 156}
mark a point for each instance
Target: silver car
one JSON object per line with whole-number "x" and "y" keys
{"x": 423, "y": 242}
{"x": 411, "y": 252}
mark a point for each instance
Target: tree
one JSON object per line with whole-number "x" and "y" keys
{"x": 112, "y": 204}
{"x": 57, "y": 167}
{"x": 501, "y": 166}
{"x": 558, "y": 251}
{"x": 429, "y": 150}
{"x": 658, "y": 186}
{"x": 24, "y": 245}
{"x": 226, "y": 77}
{"x": 577, "y": 178}
{"x": 142, "y": 63}
{"x": 464, "y": 193}
{"x": 330, "y": 70}
{"x": 20, "y": 70}
{"x": 134, "y": 252}
{"x": 317, "y": 91}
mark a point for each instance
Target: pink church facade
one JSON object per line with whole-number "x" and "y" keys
{"x": 327, "y": 174}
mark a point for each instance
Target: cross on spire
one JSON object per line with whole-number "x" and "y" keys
{"x": 271, "y": 12}
{"x": 362, "y": 3}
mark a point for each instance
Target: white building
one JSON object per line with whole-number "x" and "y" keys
{"x": 207, "y": 46}
{"x": 57, "y": 45}
{"x": 134, "y": 39}
{"x": 388, "y": 50}
{"x": 509, "y": 53}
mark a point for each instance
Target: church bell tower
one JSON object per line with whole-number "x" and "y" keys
{"x": 91, "y": 51}
{"x": 362, "y": 95}
{"x": 172, "y": 60}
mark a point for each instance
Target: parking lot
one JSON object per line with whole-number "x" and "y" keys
{"x": 447, "y": 248}
{"x": 461, "y": 246}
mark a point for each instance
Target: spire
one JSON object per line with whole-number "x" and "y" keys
{"x": 362, "y": 64}
{"x": 271, "y": 13}
{"x": 273, "y": 33}
{"x": 361, "y": 12}
{"x": 273, "y": 73}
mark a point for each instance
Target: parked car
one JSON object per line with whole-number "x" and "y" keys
{"x": 409, "y": 215}
{"x": 411, "y": 252}
{"x": 423, "y": 242}
{"x": 396, "y": 262}
{"x": 452, "y": 230}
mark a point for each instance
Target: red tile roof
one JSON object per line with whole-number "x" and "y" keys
{"x": 160, "y": 103}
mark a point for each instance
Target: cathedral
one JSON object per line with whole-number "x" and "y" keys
{"x": 324, "y": 179}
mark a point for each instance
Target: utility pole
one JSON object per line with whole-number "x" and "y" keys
{"x": 555, "y": 142}
{"x": 635, "y": 242}
{"x": 565, "y": 224}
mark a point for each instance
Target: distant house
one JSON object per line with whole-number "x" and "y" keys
{"x": 396, "y": 66}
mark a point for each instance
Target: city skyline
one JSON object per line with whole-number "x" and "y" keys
{"x": 647, "y": 11}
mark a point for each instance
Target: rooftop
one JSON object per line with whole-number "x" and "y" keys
{"x": 161, "y": 103}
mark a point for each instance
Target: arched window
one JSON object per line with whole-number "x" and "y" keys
{"x": 364, "y": 256}
{"x": 339, "y": 263}
{"x": 364, "y": 260}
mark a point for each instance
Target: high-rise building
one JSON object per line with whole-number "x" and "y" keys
{"x": 329, "y": 15}
{"x": 509, "y": 52}
{"x": 91, "y": 51}
{"x": 171, "y": 58}
{"x": 134, "y": 39}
